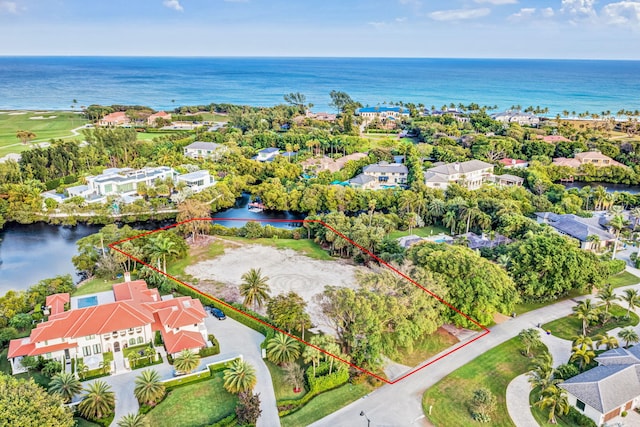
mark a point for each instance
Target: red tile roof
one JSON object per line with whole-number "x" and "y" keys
{"x": 136, "y": 290}
{"x": 179, "y": 312}
{"x": 57, "y": 302}
{"x": 554, "y": 138}
{"x": 509, "y": 162}
{"x": 183, "y": 340}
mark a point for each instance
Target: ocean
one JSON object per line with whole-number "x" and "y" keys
{"x": 39, "y": 83}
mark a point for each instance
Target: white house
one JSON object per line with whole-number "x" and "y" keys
{"x": 381, "y": 175}
{"x": 209, "y": 150}
{"x": 523, "y": 119}
{"x": 132, "y": 317}
{"x": 197, "y": 181}
{"x": 267, "y": 154}
{"x": 382, "y": 113}
{"x": 471, "y": 174}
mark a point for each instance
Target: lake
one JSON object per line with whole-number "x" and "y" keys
{"x": 32, "y": 252}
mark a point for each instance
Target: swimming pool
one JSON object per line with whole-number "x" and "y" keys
{"x": 87, "y": 301}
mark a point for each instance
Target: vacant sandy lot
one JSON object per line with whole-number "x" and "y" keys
{"x": 286, "y": 269}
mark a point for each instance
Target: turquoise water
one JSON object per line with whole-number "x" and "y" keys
{"x": 87, "y": 301}
{"x": 580, "y": 85}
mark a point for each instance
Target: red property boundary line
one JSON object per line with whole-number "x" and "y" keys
{"x": 301, "y": 221}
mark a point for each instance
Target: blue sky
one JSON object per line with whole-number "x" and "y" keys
{"x": 598, "y": 29}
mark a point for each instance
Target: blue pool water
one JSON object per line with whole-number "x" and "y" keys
{"x": 87, "y": 301}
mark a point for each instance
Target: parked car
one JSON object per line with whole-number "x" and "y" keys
{"x": 217, "y": 313}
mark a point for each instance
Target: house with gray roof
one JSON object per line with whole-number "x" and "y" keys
{"x": 471, "y": 174}
{"x": 208, "y": 150}
{"x": 524, "y": 119}
{"x": 387, "y": 174}
{"x": 267, "y": 154}
{"x": 588, "y": 231}
{"x": 604, "y": 392}
{"x": 363, "y": 181}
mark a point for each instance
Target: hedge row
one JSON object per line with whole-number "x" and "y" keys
{"x": 210, "y": 351}
{"x": 226, "y": 421}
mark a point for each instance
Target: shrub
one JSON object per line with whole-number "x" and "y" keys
{"x": 578, "y": 419}
{"x": 624, "y": 414}
{"x": 566, "y": 371}
{"x": 482, "y": 405}
{"x": 615, "y": 266}
{"x": 157, "y": 339}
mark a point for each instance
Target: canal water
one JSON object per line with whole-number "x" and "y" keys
{"x": 611, "y": 188}
{"x": 32, "y": 252}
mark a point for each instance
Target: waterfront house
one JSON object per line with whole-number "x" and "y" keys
{"x": 208, "y": 150}
{"x": 508, "y": 163}
{"x": 369, "y": 114}
{"x": 125, "y": 181}
{"x": 267, "y": 154}
{"x": 523, "y": 119}
{"x": 197, "y": 181}
{"x": 118, "y": 118}
{"x": 594, "y": 158}
{"x": 470, "y": 174}
{"x": 588, "y": 231}
{"x": 381, "y": 175}
{"x": 363, "y": 181}
{"x": 109, "y": 322}
{"x": 151, "y": 120}
{"x": 604, "y": 392}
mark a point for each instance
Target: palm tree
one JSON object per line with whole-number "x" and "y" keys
{"x": 254, "y": 288}
{"x": 582, "y": 354}
{"x": 582, "y": 340}
{"x": 529, "y": 338}
{"x": 632, "y": 298}
{"x": 606, "y": 340}
{"x": 635, "y": 213}
{"x": 66, "y": 385}
{"x": 618, "y": 223}
{"x": 449, "y": 220}
{"x": 616, "y": 210}
{"x": 607, "y": 296}
{"x": 81, "y": 368}
{"x": 186, "y": 361}
{"x": 629, "y": 336}
{"x": 282, "y": 348}
{"x": 541, "y": 373}
{"x": 555, "y": 399}
{"x": 599, "y": 195}
{"x": 294, "y": 375}
{"x": 240, "y": 377}
{"x": 160, "y": 247}
{"x": 312, "y": 354}
{"x": 586, "y": 312}
{"x": 134, "y": 420}
{"x": 436, "y": 208}
{"x": 148, "y": 388}
{"x": 98, "y": 402}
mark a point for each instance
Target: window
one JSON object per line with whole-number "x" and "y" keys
{"x": 138, "y": 330}
{"x": 90, "y": 337}
{"x": 140, "y": 340}
{"x": 132, "y": 341}
{"x": 86, "y": 350}
{"x": 97, "y": 349}
{"x": 580, "y": 405}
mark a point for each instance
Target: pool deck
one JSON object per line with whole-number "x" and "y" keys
{"x": 103, "y": 298}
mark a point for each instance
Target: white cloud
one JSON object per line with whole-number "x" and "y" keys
{"x": 526, "y": 12}
{"x": 459, "y": 14}
{"x": 622, "y": 13}
{"x": 497, "y": 2}
{"x": 547, "y": 12}
{"x": 173, "y": 4}
{"x": 8, "y": 7}
{"x": 578, "y": 7}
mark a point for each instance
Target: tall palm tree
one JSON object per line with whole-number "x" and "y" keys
{"x": 254, "y": 288}
{"x": 585, "y": 311}
{"x": 599, "y": 195}
{"x": 555, "y": 400}
{"x": 607, "y": 341}
{"x": 449, "y": 220}
{"x": 81, "y": 368}
{"x": 632, "y": 298}
{"x": 161, "y": 247}
{"x": 282, "y": 348}
{"x": 312, "y": 354}
{"x": 582, "y": 354}
{"x": 240, "y": 377}
{"x": 148, "y": 387}
{"x": 436, "y": 208}
{"x": 580, "y": 340}
{"x": 134, "y": 420}
{"x": 607, "y": 296}
{"x": 98, "y": 402}
{"x": 629, "y": 335}
{"x": 635, "y": 213}
{"x": 186, "y": 361}
{"x": 541, "y": 373}
{"x": 66, "y": 385}
{"x": 616, "y": 210}
{"x": 618, "y": 223}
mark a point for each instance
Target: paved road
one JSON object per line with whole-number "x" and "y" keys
{"x": 400, "y": 404}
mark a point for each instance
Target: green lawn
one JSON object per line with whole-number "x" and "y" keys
{"x": 325, "y": 404}
{"x": 494, "y": 369}
{"x": 176, "y": 268}
{"x": 429, "y": 346}
{"x": 623, "y": 279}
{"x": 306, "y": 246}
{"x": 199, "y": 404}
{"x": 81, "y": 422}
{"x": 45, "y": 129}
{"x": 542, "y": 415}
{"x": 570, "y": 326}
{"x": 283, "y": 389}
{"x": 94, "y": 285}
{"x": 144, "y": 136}
{"x": 422, "y": 232}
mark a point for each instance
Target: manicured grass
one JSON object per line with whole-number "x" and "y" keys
{"x": 325, "y": 404}
{"x": 623, "y": 279}
{"x": 542, "y": 415}
{"x": 134, "y": 349}
{"x": 429, "y": 346}
{"x": 176, "y": 268}
{"x": 431, "y": 230}
{"x": 199, "y": 404}
{"x": 494, "y": 370}
{"x": 144, "y": 136}
{"x": 94, "y": 285}
{"x": 570, "y": 326}
{"x": 283, "y": 389}
{"x": 45, "y": 129}
{"x": 306, "y": 246}
{"x": 5, "y": 366}
{"x": 524, "y": 307}
{"x": 81, "y": 422}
